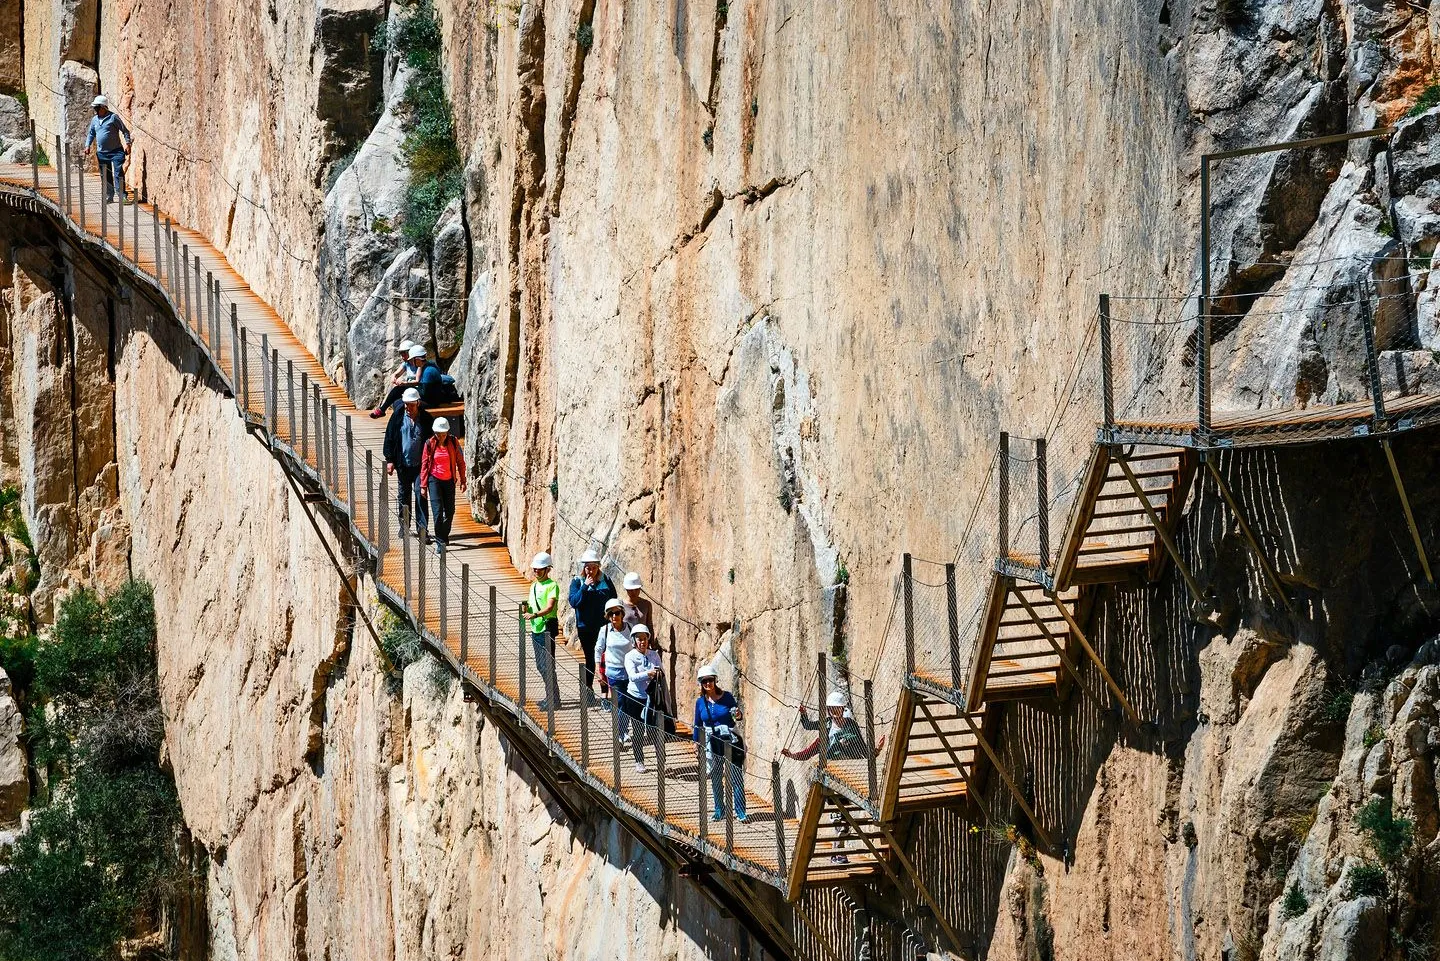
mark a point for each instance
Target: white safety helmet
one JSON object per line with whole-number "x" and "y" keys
{"x": 613, "y": 605}
{"x": 632, "y": 581}
{"x": 639, "y": 629}
{"x": 542, "y": 560}
{"x": 590, "y": 557}
{"x": 411, "y": 396}
{"x": 441, "y": 425}
{"x": 416, "y": 351}
{"x": 100, "y": 102}
{"x": 706, "y": 670}
{"x": 405, "y": 346}
{"x": 836, "y": 699}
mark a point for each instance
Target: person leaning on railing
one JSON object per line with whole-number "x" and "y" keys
{"x": 716, "y": 717}
{"x": 842, "y": 741}
{"x": 108, "y": 136}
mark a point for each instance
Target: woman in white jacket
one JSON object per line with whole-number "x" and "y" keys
{"x": 642, "y": 665}
{"x": 611, "y": 645}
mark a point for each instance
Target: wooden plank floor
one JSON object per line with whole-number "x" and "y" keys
{"x": 583, "y": 735}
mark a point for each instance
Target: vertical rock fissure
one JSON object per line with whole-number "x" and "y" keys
{"x": 579, "y": 52}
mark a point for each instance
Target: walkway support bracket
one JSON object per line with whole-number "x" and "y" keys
{"x": 1247, "y": 532}
{"x": 1409, "y": 514}
{"x": 1091, "y": 653}
{"x": 1009, "y": 781}
{"x": 1161, "y": 530}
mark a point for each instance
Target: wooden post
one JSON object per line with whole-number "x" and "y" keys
{"x": 1004, "y": 492}
{"x": 1091, "y": 653}
{"x": 494, "y": 634}
{"x": 1160, "y": 529}
{"x": 907, "y": 592}
{"x": 952, "y": 617}
{"x": 1409, "y": 514}
{"x": 1249, "y": 534}
{"x": 370, "y": 495}
{"x": 350, "y": 465}
{"x": 464, "y": 613}
{"x": 824, "y": 688}
{"x": 1015, "y": 791}
{"x": 779, "y": 818}
{"x": 867, "y": 688}
{"x": 383, "y": 533}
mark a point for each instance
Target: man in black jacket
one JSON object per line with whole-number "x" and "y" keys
{"x": 405, "y": 437}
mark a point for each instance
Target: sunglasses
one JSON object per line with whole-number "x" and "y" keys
{"x": 616, "y": 614}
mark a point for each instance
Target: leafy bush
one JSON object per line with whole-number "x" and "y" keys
{"x": 1366, "y": 880}
{"x": 1336, "y": 708}
{"x": 1374, "y": 734}
{"x": 401, "y": 647}
{"x": 1294, "y": 903}
{"x": 429, "y": 145}
{"x": 1428, "y": 98}
{"x": 98, "y": 858}
{"x": 17, "y": 657}
{"x": 1390, "y": 836}
{"x": 585, "y": 36}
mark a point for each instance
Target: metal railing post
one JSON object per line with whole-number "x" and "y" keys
{"x": 60, "y": 184}
{"x": 1004, "y": 492}
{"x": 1107, "y": 383}
{"x": 1042, "y": 494}
{"x": 661, "y": 746}
{"x": 34, "y": 160}
{"x": 824, "y": 688}
{"x": 907, "y": 593}
{"x": 1202, "y": 345}
{"x": 265, "y": 382}
{"x": 369, "y": 493}
{"x": 1372, "y": 362}
{"x": 520, "y": 636}
{"x": 952, "y": 612}
{"x": 775, "y": 800}
{"x": 120, "y": 223}
{"x": 867, "y": 686}
{"x": 206, "y": 317}
{"x": 615, "y": 736}
{"x": 80, "y": 186}
{"x": 729, "y": 785}
{"x": 197, "y": 319}
{"x": 274, "y": 399}
{"x": 551, "y": 697}
{"x": 104, "y": 213}
{"x": 701, "y": 776}
{"x": 245, "y": 368}
{"x": 584, "y": 722}
{"x": 405, "y": 565}
{"x": 290, "y": 418}
{"x": 465, "y": 614}
{"x": 304, "y": 444}
{"x": 420, "y": 592}
{"x": 494, "y": 634}
{"x": 444, "y": 601}
{"x": 383, "y": 534}
{"x": 154, "y": 236}
{"x": 334, "y": 448}
{"x": 134, "y": 232}
{"x": 350, "y": 465}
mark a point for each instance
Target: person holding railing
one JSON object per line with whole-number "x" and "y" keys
{"x": 441, "y": 468}
{"x": 642, "y": 667}
{"x": 612, "y": 645}
{"x": 404, "y": 450}
{"x": 541, "y": 603}
{"x": 716, "y": 716}
{"x": 590, "y": 591}
{"x": 108, "y": 136}
{"x": 841, "y": 741}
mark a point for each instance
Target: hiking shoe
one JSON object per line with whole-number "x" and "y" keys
{"x": 717, "y": 815}
{"x": 640, "y": 767}
{"x": 743, "y": 818}
{"x": 378, "y": 412}
{"x": 840, "y": 859}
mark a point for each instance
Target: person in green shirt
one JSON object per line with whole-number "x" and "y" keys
{"x": 544, "y": 626}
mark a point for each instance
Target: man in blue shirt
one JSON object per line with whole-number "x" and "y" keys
{"x": 405, "y": 436}
{"x": 589, "y": 594}
{"x": 110, "y": 139}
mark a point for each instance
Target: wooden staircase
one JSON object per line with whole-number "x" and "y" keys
{"x": 934, "y": 759}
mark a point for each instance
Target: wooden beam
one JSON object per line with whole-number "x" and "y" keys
{"x": 1009, "y": 781}
{"x": 1090, "y": 652}
{"x": 804, "y": 839}
{"x": 1070, "y": 666}
{"x": 1247, "y": 532}
{"x": 899, "y": 740}
{"x": 1409, "y": 515}
{"x": 1159, "y": 525}
{"x": 985, "y": 643}
{"x": 1080, "y": 520}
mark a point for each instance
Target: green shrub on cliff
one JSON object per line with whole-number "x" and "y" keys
{"x": 429, "y": 147}
{"x": 1390, "y": 836}
{"x": 99, "y": 854}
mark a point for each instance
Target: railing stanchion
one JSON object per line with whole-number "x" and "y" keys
{"x": 494, "y": 634}
{"x": 420, "y": 591}
{"x": 245, "y": 368}
{"x": 907, "y": 593}
{"x": 658, "y": 739}
{"x": 265, "y": 373}
{"x": 383, "y": 532}
{"x": 234, "y": 354}
{"x": 868, "y": 688}
{"x": 60, "y": 175}
{"x": 198, "y": 318}
{"x": 405, "y": 564}
{"x": 304, "y": 444}
{"x": 1004, "y": 493}
{"x": 728, "y": 784}
{"x": 315, "y": 413}
{"x": 584, "y": 721}
{"x": 34, "y": 160}
{"x": 824, "y": 687}
{"x": 335, "y": 449}
{"x": 369, "y": 493}
{"x": 350, "y": 465}
{"x": 952, "y": 616}
{"x": 615, "y": 737}
{"x": 1372, "y": 364}
{"x": 214, "y": 319}
{"x": 212, "y": 306}
{"x": 551, "y": 696}
{"x": 701, "y": 776}
{"x": 290, "y": 419}
{"x": 1042, "y": 506}
{"x": 465, "y": 615}
{"x": 104, "y": 210}
{"x": 779, "y": 816}
{"x": 187, "y": 303}
{"x": 443, "y": 598}
{"x": 1107, "y": 374}
{"x": 520, "y": 636}
{"x": 120, "y": 222}
{"x": 154, "y": 236}
{"x": 80, "y": 187}
{"x": 134, "y": 231}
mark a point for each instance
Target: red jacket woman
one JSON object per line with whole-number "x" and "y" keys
{"x": 442, "y": 468}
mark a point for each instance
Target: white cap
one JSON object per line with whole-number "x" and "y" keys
{"x": 590, "y": 557}
{"x": 613, "y": 605}
{"x": 541, "y": 561}
{"x": 405, "y": 346}
{"x": 411, "y": 396}
{"x": 836, "y": 699}
{"x": 632, "y": 581}
{"x": 706, "y": 670}
{"x": 441, "y": 425}
{"x": 639, "y": 629}
{"x": 100, "y": 102}
{"x": 416, "y": 350}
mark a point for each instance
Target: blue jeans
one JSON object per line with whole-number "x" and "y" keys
{"x": 542, "y": 645}
{"x": 112, "y": 172}
{"x": 715, "y": 761}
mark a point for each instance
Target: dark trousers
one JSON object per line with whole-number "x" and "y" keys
{"x": 407, "y": 489}
{"x": 588, "y": 636}
{"x": 642, "y": 722}
{"x": 393, "y": 397}
{"x": 442, "y": 507}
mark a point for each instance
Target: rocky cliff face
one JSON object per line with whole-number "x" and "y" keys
{"x": 749, "y": 290}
